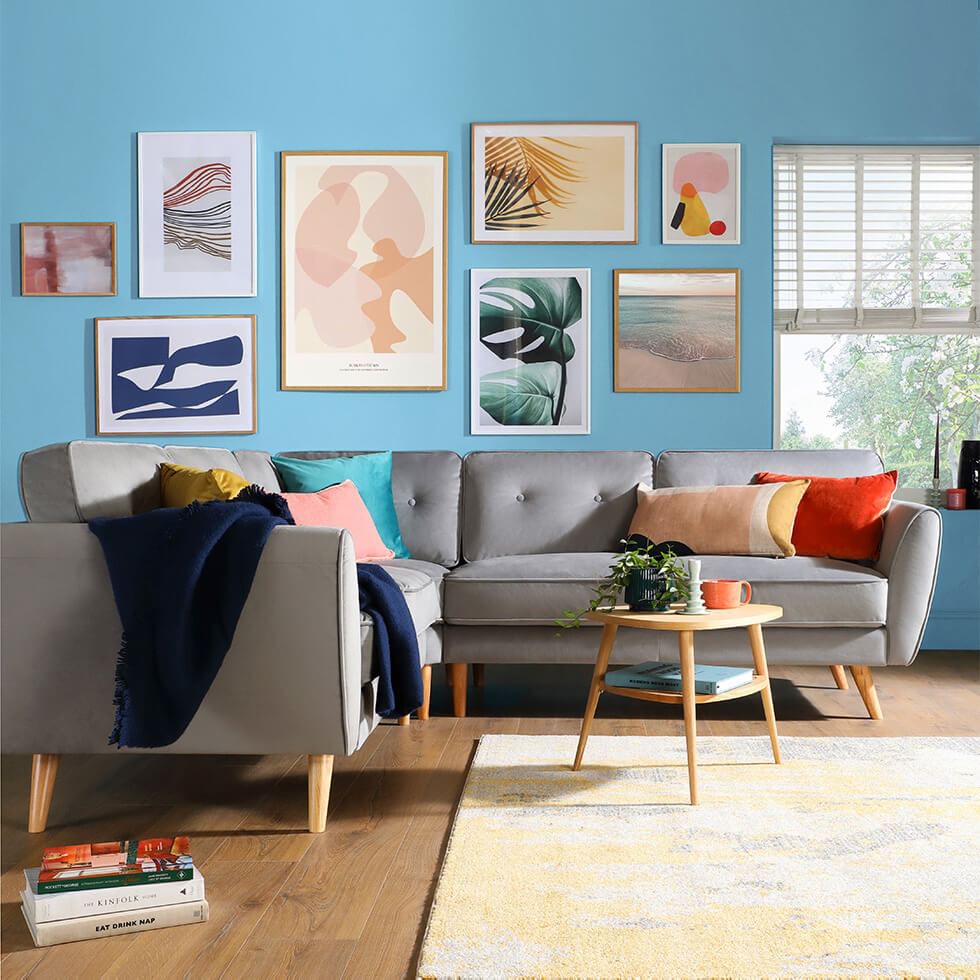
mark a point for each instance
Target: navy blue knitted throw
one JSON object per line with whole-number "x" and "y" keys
{"x": 180, "y": 579}
{"x": 396, "y": 648}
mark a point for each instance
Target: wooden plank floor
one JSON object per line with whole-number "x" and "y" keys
{"x": 352, "y": 902}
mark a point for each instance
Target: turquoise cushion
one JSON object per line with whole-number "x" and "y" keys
{"x": 370, "y": 473}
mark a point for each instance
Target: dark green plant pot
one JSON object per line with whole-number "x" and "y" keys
{"x": 643, "y": 588}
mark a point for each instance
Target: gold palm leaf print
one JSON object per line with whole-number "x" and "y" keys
{"x": 548, "y": 170}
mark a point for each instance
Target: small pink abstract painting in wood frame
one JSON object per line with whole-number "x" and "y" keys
{"x": 364, "y": 271}
{"x": 72, "y": 258}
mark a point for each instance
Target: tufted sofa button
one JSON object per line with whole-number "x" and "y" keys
{"x": 520, "y": 498}
{"x": 411, "y": 501}
{"x": 598, "y": 498}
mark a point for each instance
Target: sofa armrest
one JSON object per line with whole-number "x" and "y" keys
{"x": 291, "y": 681}
{"x": 910, "y": 559}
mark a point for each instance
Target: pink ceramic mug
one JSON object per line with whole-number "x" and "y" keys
{"x": 725, "y": 593}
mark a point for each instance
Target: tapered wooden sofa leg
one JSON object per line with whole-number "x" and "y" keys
{"x": 866, "y": 685}
{"x": 479, "y": 675}
{"x": 426, "y": 692}
{"x": 44, "y": 771}
{"x": 840, "y": 678}
{"x": 319, "y": 770}
{"x": 457, "y": 678}
{"x": 404, "y": 721}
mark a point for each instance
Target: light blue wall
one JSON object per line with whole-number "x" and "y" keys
{"x": 79, "y": 80}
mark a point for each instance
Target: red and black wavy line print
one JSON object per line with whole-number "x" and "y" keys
{"x": 208, "y": 229}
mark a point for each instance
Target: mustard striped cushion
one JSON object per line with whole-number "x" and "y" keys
{"x": 737, "y": 520}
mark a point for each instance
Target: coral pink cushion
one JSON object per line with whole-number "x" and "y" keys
{"x": 340, "y": 506}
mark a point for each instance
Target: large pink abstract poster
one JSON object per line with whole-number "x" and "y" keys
{"x": 364, "y": 271}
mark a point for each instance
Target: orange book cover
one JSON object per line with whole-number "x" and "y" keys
{"x": 114, "y": 858}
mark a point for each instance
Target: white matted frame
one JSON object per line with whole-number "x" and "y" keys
{"x": 544, "y": 183}
{"x": 197, "y": 217}
{"x": 710, "y": 204}
{"x": 175, "y": 375}
{"x": 530, "y": 351}
{"x": 363, "y": 263}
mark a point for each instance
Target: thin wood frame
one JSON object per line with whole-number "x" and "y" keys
{"x": 284, "y": 155}
{"x": 184, "y": 316}
{"x": 564, "y": 241}
{"x": 738, "y": 328}
{"x": 67, "y": 224}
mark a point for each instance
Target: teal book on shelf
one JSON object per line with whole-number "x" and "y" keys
{"x": 656, "y": 676}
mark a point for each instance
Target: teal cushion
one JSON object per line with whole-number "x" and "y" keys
{"x": 370, "y": 473}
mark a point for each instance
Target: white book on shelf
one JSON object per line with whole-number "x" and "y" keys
{"x": 103, "y": 901}
{"x": 114, "y": 924}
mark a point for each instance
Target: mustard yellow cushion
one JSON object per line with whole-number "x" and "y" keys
{"x": 182, "y": 485}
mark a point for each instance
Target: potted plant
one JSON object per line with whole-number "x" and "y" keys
{"x": 651, "y": 580}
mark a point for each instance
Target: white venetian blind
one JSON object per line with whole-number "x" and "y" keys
{"x": 876, "y": 237}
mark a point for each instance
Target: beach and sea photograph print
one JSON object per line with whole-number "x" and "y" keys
{"x": 676, "y": 329}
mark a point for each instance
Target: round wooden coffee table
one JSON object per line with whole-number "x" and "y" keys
{"x": 750, "y": 616}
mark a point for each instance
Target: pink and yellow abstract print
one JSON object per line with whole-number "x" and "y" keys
{"x": 363, "y": 270}
{"x": 701, "y": 194}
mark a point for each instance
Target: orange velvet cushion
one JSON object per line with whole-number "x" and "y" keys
{"x": 840, "y": 517}
{"x": 341, "y": 506}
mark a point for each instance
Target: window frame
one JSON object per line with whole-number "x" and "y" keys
{"x": 875, "y": 325}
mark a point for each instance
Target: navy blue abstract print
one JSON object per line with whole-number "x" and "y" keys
{"x": 152, "y": 381}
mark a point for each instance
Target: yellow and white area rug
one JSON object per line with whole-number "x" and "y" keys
{"x": 856, "y": 857}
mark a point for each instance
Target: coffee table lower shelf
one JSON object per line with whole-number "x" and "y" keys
{"x": 671, "y": 697}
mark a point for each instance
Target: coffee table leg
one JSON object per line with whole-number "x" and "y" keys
{"x": 762, "y": 669}
{"x": 601, "y": 662}
{"x": 686, "y": 642}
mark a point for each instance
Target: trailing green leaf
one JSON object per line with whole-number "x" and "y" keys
{"x": 609, "y": 591}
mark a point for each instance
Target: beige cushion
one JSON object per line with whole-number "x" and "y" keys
{"x": 736, "y": 520}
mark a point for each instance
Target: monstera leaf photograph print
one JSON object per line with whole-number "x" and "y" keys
{"x": 530, "y": 351}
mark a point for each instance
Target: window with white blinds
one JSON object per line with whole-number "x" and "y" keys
{"x": 876, "y": 237}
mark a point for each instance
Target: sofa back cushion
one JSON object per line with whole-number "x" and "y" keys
{"x": 528, "y": 503}
{"x": 723, "y": 467}
{"x": 76, "y": 481}
{"x": 426, "y": 490}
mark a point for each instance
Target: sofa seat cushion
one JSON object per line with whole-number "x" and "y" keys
{"x": 523, "y": 590}
{"x": 812, "y": 591}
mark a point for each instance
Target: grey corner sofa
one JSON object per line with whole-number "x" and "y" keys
{"x": 502, "y": 544}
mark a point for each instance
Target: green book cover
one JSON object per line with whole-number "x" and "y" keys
{"x": 114, "y": 880}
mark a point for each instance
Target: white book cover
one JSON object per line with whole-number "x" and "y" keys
{"x": 102, "y": 901}
{"x": 115, "y": 924}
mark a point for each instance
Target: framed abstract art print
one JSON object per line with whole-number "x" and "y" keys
{"x": 530, "y": 352}
{"x": 364, "y": 271}
{"x": 676, "y": 329}
{"x": 175, "y": 375}
{"x": 701, "y": 193}
{"x": 539, "y": 183}
{"x": 197, "y": 233}
{"x": 68, "y": 258}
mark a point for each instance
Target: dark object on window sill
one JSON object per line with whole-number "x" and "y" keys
{"x": 969, "y": 472}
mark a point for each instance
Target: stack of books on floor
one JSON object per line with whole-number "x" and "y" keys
{"x": 88, "y": 891}
{"x": 655, "y": 676}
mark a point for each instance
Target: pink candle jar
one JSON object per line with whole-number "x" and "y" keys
{"x": 956, "y": 498}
